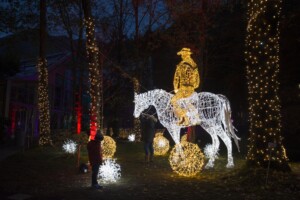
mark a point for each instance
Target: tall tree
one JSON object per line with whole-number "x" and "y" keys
{"x": 95, "y": 71}
{"x": 70, "y": 18}
{"x": 43, "y": 88}
{"x": 262, "y": 58}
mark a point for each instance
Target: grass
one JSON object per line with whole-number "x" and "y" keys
{"x": 48, "y": 173}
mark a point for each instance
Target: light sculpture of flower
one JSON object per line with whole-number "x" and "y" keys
{"x": 110, "y": 171}
{"x": 108, "y": 146}
{"x": 131, "y": 137}
{"x": 160, "y": 144}
{"x": 186, "y": 159}
{"x": 69, "y": 146}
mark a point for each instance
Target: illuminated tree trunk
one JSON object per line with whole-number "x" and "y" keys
{"x": 262, "y": 58}
{"x": 95, "y": 73}
{"x": 43, "y": 88}
{"x": 136, "y": 121}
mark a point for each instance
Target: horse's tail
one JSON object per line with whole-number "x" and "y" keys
{"x": 226, "y": 120}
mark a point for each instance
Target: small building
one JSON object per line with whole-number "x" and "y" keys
{"x": 19, "y": 103}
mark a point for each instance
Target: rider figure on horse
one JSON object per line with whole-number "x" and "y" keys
{"x": 186, "y": 80}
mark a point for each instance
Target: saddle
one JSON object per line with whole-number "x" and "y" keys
{"x": 190, "y": 105}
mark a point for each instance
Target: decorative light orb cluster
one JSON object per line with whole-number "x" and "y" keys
{"x": 108, "y": 146}
{"x": 69, "y": 146}
{"x": 186, "y": 159}
{"x": 160, "y": 144}
{"x": 262, "y": 59}
{"x": 131, "y": 137}
{"x": 43, "y": 103}
{"x": 110, "y": 171}
{"x": 213, "y": 111}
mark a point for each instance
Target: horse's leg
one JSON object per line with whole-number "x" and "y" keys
{"x": 215, "y": 146}
{"x": 227, "y": 141}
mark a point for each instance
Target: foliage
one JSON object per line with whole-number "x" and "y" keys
{"x": 59, "y": 137}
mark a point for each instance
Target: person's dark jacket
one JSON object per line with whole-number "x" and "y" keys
{"x": 94, "y": 151}
{"x": 148, "y": 128}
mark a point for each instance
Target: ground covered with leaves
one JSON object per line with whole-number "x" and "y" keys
{"x": 48, "y": 173}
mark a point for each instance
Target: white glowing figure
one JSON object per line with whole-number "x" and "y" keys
{"x": 212, "y": 112}
{"x": 69, "y": 146}
{"x": 131, "y": 137}
{"x": 110, "y": 171}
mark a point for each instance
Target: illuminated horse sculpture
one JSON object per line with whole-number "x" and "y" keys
{"x": 212, "y": 110}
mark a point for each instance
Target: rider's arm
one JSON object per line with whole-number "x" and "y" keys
{"x": 176, "y": 79}
{"x": 197, "y": 78}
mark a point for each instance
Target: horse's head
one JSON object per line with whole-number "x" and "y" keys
{"x": 140, "y": 104}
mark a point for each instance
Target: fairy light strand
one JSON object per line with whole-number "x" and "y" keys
{"x": 95, "y": 77}
{"x": 262, "y": 58}
{"x": 43, "y": 103}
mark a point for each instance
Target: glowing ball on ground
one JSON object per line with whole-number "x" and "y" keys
{"x": 186, "y": 159}
{"x": 108, "y": 146}
{"x": 210, "y": 152}
{"x": 69, "y": 146}
{"x": 160, "y": 144}
{"x": 110, "y": 171}
{"x": 131, "y": 137}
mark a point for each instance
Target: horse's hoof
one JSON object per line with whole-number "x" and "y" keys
{"x": 208, "y": 166}
{"x": 230, "y": 166}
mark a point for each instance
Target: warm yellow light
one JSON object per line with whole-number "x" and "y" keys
{"x": 43, "y": 103}
{"x": 186, "y": 80}
{"x": 183, "y": 138}
{"x": 186, "y": 159}
{"x": 108, "y": 146}
{"x": 160, "y": 144}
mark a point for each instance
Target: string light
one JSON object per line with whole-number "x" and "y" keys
{"x": 186, "y": 80}
{"x": 43, "y": 103}
{"x": 262, "y": 58}
{"x": 209, "y": 152}
{"x": 131, "y": 137}
{"x": 160, "y": 144}
{"x": 69, "y": 146}
{"x": 95, "y": 77}
{"x": 110, "y": 171}
{"x": 108, "y": 147}
{"x": 186, "y": 159}
{"x": 213, "y": 110}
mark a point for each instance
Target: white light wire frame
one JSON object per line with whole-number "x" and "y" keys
{"x": 211, "y": 111}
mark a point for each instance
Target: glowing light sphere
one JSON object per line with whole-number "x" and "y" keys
{"x": 110, "y": 171}
{"x": 209, "y": 151}
{"x": 186, "y": 159}
{"x": 131, "y": 137}
{"x": 108, "y": 147}
{"x": 160, "y": 144}
{"x": 69, "y": 146}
